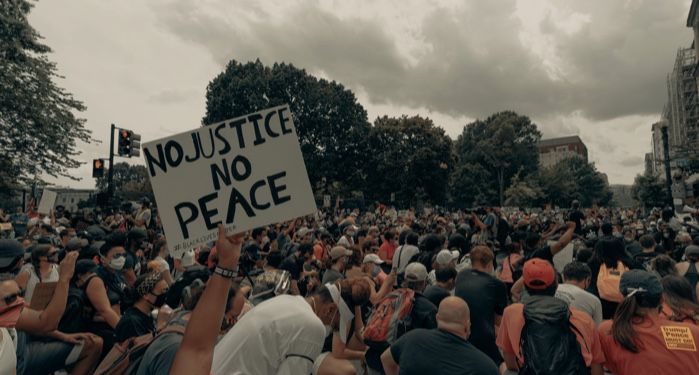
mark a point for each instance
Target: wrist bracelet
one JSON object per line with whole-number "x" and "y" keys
{"x": 225, "y": 272}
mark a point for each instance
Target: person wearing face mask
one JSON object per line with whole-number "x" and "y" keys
{"x": 338, "y": 262}
{"x": 371, "y": 265}
{"x": 42, "y": 269}
{"x": 11, "y": 305}
{"x": 444, "y": 350}
{"x": 106, "y": 291}
{"x": 151, "y": 290}
{"x": 487, "y": 297}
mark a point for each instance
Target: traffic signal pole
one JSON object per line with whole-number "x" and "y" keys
{"x": 110, "y": 187}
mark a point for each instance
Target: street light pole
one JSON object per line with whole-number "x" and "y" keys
{"x": 110, "y": 177}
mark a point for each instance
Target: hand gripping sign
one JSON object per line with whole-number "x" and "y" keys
{"x": 245, "y": 172}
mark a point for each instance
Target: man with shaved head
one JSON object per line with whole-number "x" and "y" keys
{"x": 444, "y": 350}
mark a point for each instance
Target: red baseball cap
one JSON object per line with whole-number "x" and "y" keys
{"x": 538, "y": 274}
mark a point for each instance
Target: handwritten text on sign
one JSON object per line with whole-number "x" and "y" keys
{"x": 244, "y": 172}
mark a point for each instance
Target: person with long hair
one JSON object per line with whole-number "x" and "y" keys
{"x": 42, "y": 269}
{"x": 611, "y": 256}
{"x": 680, "y": 303}
{"x": 639, "y": 340}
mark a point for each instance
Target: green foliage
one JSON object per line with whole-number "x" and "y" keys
{"x": 38, "y": 127}
{"x": 524, "y": 193}
{"x": 490, "y": 152}
{"x": 408, "y": 156}
{"x": 573, "y": 178}
{"x": 331, "y": 124}
{"x": 130, "y": 181}
{"x": 649, "y": 190}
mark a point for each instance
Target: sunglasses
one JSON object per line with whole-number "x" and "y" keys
{"x": 11, "y": 298}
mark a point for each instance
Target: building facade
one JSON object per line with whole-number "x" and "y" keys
{"x": 552, "y": 151}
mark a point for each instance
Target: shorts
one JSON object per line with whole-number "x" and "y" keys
{"x": 45, "y": 357}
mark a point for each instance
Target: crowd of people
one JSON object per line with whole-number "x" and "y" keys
{"x": 349, "y": 291}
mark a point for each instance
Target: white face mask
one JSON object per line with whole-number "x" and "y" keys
{"x": 117, "y": 263}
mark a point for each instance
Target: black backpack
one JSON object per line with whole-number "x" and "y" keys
{"x": 548, "y": 343}
{"x": 78, "y": 312}
{"x": 692, "y": 275}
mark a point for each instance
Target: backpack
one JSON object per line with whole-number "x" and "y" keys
{"x": 608, "y": 282}
{"x": 692, "y": 275}
{"x": 78, "y": 311}
{"x": 548, "y": 342}
{"x": 125, "y": 357}
{"x": 390, "y": 319}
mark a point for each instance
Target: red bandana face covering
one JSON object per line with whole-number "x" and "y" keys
{"x": 9, "y": 315}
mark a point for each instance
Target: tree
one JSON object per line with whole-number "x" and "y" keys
{"x": 330, "y": 123}
{"x": 130, "y": 181}
{"x": 408, "y": 156}
{"x": 523, "y": 193}
{"x": 574, "y": 178}
{"x": 649, "y": 190}
{"x": 495, "y": 149}
{"x": 38, "y": 127}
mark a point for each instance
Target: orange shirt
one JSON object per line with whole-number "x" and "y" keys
{"x": 667, "y": 348}
{"x": 321, "y": 252}
{"x": 386, "y": 251}
{"x": 509, "y": 335}
{"x": 667, "y": 313}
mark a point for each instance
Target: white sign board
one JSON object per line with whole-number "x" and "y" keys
{"x": 244, "y": 172}
{"x": 48, "y": 200}
{"x": 326, "y": 201}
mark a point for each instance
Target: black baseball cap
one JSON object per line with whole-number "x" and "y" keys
{"x": 10, "y": 250}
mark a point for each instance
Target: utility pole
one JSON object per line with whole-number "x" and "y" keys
{"x": 110, "y": 177}
{"x": 666, "y": 157}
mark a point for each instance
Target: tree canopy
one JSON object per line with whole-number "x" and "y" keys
{"x": 408, "y": 156}
{"x": 490, "y": 152}
{"x": 130, "y": 181}
{"x": 649, "y": 190}
{"x": 39, "y": 129}
{"x": 331, "y": 124}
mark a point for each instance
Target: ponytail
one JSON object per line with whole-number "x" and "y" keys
{"x": 626, "y": 313}
{"x": 622, "y": 326}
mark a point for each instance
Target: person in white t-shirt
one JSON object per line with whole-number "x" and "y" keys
{"x": 576, "y": 278}
{"x": 42, "y": 269}
{"x": 282, "y": 335}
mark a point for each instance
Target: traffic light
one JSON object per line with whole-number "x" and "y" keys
{"x": 129, "y": 143}
{"x": 97, "y": 168}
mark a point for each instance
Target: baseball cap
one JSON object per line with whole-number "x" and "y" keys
{"x": 303, "y": 231}
{"x": 76, "y": 244}
{"x": 692, "y": 250}
{"x": 538, "y": 274}
{"x": 339, "y": 251}
{"x": 84, "y": 266}
{"x": 634, "y": 281}
{"x": 415, "y": 272}
{"x": 444, "y": 257}
{"x": 188, "y": 258}
{"x": 372, "y": 258}
{"x": 10, "y": 250}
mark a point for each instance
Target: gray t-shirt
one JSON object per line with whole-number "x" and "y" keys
{"x": 581, "y": 300}
{"x": 330, "y": 276}
{"x": 402, "y": 256}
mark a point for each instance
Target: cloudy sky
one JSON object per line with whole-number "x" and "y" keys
{"x": 596, "y": 68}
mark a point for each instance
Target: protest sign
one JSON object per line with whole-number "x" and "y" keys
{"x": 326, "y": 201}
{"x": 43, "y": 293}
{"x": 244, "y": 172}
{"x": 48, "y": 200}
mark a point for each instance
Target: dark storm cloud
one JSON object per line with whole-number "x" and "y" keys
{"x": 476, "y": 62}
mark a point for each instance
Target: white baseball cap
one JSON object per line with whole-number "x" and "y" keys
{"x": 372, "y": 258}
